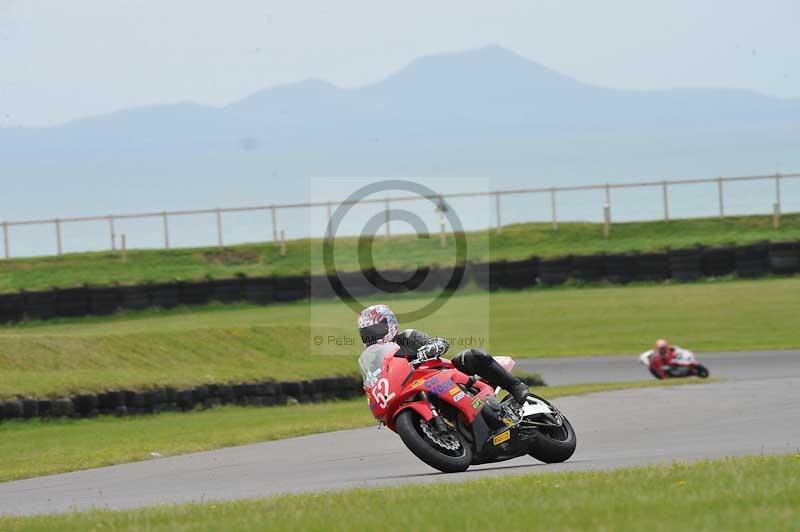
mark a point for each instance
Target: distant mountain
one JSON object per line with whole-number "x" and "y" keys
{"x": 481, "y": 95}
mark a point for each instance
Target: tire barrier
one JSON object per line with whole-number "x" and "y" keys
{"x": 40, "y": 305}
{"x": 620, "y": 269}
{"x": 756, "y": 260}
{"x": 73, "y": 302}
{"x": 652, "y": 267}
{"x": 434, "y": 278}
{"x": 225, "y": 290}
{"x": 784, "y": 258}
{"x": 589, "y": 268}
{"x": 518, "y": 274}
{"x": 555, "y": 271}
{"x": 752, "y": 261}
{"x": 104, "y": 301}
{"x": 163, "y": 295}
{"x": 129, "y": 402}
{"x": 12, "y": 308}
{"x": 193, "y": 293}
{"x": 258, "y": 290}
{"x": 291, "y": 288}
{"x": 133, "y": 297}
{"x": 686, "y": 264}
{"x": 486, "y": 274}
{"x": 719, "y": 261}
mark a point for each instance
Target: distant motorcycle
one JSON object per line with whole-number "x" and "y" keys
{"x": 451, "y": 420}
{"x": 678, "y": 363}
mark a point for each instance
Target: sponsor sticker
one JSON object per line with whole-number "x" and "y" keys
{"x": 459, "y": 396}
{"x": 417, "y": 383}
{"x": 440, "y": 388}
{"x": 502, "y": 437}
{"x": 454, "y": 390}
{"x": 477, "y": 403}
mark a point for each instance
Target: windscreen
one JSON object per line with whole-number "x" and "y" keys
{"x": 371, "y": 361}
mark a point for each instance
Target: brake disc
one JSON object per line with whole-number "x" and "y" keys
{"x": 445, "y": 440}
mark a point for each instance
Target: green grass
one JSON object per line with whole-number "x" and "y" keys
{"x": 33, "y": 448}
{"x": 747, "y": 493}
{"x": 515, "y": 242}
{"x": 228, "y": 344}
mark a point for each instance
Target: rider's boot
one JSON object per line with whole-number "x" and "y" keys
{"x": 499, "y": 376}
{"x": 478, "y": 361}
{"x": 519, "y": 391}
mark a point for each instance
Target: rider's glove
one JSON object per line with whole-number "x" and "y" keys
{"x": 435, "y": 348}
{"x": 423, "y": 353}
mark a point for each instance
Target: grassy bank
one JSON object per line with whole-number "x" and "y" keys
{"x": 515, "y": 242}
{"x": 750, "y": 493}
{"x": 227, "y": 344}
{"x": 34, "y": 448}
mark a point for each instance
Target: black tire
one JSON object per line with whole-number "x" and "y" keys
{"x": 701, "y": 371}
{"x": 408, "y": 427}
{"x": 556, "y": 444}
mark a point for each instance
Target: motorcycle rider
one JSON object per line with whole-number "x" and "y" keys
{"x": 377, "y": 324}
{"x": 665, "y": 357}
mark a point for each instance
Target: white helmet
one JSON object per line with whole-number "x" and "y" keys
{"x": 377, "y": 325}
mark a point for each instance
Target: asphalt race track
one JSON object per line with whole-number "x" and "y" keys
{"x": 756, "y": 411}
{"x": 736, "y": 365}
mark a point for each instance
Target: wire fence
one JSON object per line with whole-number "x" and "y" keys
{"x": 554, "y": 194}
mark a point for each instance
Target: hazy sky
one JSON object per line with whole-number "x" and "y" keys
{"x": 61, "y": 60}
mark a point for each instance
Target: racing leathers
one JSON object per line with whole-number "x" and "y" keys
{"x": 417, "y": 347}
{"x": 676, "y": 361}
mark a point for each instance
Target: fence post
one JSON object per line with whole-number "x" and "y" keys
{"x": 778, "y": 193}
{"x": 5, "y": 240}
{"x": 608, "y": 195}
{"x": 666, "y": 200}
{"x": 776, "y": 216}
{"x": 721, "y": 201}
{"x": 58, "y": 236}
{"x": 166, "y": 230}
{"x": 112, "y": 233}
{"x": 497, "y": 212}
{"x": 388, "y": 232}
{"x": 606, "y": 220}
{"x": 124, "y": 245}
{"x": 274, "y": 225}
{"x": 553, "y": 208}
{"x": 219, "y": 227}
{"x": 283, "y": 244}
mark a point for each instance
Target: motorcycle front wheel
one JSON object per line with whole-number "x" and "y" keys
{"x": 701, "y": 371}
{"x": 447, "y": 452}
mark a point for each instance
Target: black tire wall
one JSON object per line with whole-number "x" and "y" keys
{"x": 751, "y": 261}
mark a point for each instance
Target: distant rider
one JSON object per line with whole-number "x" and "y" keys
{"x": 664, "y": 357}
{"x": 378, "y": 325}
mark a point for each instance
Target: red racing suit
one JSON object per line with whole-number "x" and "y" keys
{"x": 675, "y": 356}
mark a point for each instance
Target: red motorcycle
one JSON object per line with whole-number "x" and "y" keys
{"x": 681, "y": 363}
{"x": 451, "y": 420}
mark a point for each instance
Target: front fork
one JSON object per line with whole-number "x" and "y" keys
{"x": 437, "y": 420}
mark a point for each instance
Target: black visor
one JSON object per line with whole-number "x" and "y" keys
{"x": 373, "y": 333}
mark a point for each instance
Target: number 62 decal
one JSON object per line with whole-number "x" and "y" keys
{"x": 381, "y": 392}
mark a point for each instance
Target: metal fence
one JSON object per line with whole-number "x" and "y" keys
{"x": 498, "y": 195}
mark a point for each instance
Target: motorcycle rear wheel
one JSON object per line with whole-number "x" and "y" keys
{"x": 555, "y": 445}
{"x": 409, "y": 428}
